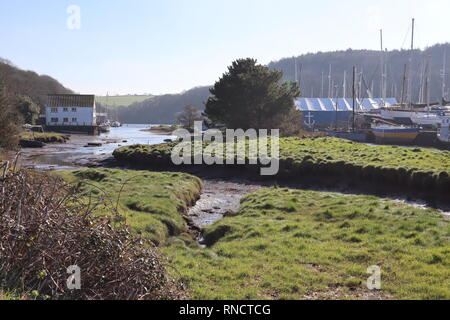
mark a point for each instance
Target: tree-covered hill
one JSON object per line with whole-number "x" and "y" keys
{"x": 310, "y": 67}
{"x": 28, "y": 83}
{"x": 163, "y": 109}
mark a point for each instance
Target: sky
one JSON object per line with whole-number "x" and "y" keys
{"x": 167, "y": 46}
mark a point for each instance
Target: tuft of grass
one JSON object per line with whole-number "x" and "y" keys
{"x": 47, "y": 137}
{"x": 151, "y": 203}
{"x": 267, "y": 251}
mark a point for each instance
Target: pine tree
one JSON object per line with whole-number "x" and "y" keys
{"x": 250, "y": 95}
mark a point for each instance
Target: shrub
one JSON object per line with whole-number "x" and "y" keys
{"x": 44, "y": 229}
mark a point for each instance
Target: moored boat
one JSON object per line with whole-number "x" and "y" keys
{"x": 395, "y": 134}
{"x": 420, "y": 116}
{"x": 105, "y": 127}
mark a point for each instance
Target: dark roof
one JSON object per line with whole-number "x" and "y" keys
{"x": 70, "y": 100}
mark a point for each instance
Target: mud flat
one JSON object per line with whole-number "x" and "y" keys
{"x": 70, "y": 155}
{"x": 219, "y": 198}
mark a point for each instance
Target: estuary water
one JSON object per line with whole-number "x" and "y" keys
{"x": 76, "y": 153}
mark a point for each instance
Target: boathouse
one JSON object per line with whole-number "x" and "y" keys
{"x": 71, "y": 113}
{"x": 326, "y": 111}
{"x": 70, "y": 110}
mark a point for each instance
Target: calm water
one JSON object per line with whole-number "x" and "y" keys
{"x": 133, "y": 134}
{"x": 75, "y": 154}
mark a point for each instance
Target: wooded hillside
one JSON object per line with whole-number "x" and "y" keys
{"x": 28, "y": 83}
{"x": 163, "y": 109}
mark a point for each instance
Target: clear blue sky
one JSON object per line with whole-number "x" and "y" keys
{"x": 166, "y": 46}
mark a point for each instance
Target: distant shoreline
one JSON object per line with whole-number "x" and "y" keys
{"x": 160, "y": 130}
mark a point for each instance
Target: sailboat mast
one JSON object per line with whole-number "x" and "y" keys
{"x": 330, "y": 89}
{"x": 360, "y": 84}
{"x": 427, "y": 82}
{"x": 422, "y": 79}
{"x": 353, "y": 98}
{"x": 404, "y": 86}
{"x": 382, "y": 84}
{"x": 443, "y": 73}
{"x": 410, "y": 96}
{"x": 300, "y": 77}
{"x": 295, "y": 71}
{"x": 321, "y": 92}
{"x": 344, "y": 86}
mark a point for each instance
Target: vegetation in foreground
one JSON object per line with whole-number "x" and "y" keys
{"x": 6, "y": 296}
{"x": 327, "y": 157}
{"x": 293, "y": 244}
{"x": 45, "y": 229}
{"x": 151, "y": 203}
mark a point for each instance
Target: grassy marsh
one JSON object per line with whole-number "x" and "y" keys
{"x": 47, "y": 137}
{"x": 285, "y": 243}
{"x": 151, "y": 203}
{"x": 293, "y": 244}
{"x": 404, "y": 167}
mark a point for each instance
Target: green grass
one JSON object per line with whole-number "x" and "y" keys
{"x": 418, "y": 168}
{"x": 115, "y": 101}
{"x": 283, "y": 243}
{"x": 47, "y": 137}
{"x": 291, "y": 244}
{"x": 334, "y": 150}
{"x": 151, "y": 203}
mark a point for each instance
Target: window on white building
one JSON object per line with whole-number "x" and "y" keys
{"x": 65, "y": 109}
{"x": 54, "y": 119}
{"x": 74, "y": 109}
{"x": 66, "y": 120}
{"x": 74, "y": 120}
{"x": 54, "y": 110}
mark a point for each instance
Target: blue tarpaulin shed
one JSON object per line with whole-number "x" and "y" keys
{"x": 323, "y": 110}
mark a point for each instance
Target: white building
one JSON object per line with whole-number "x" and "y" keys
{"x": 70, "y": 110}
